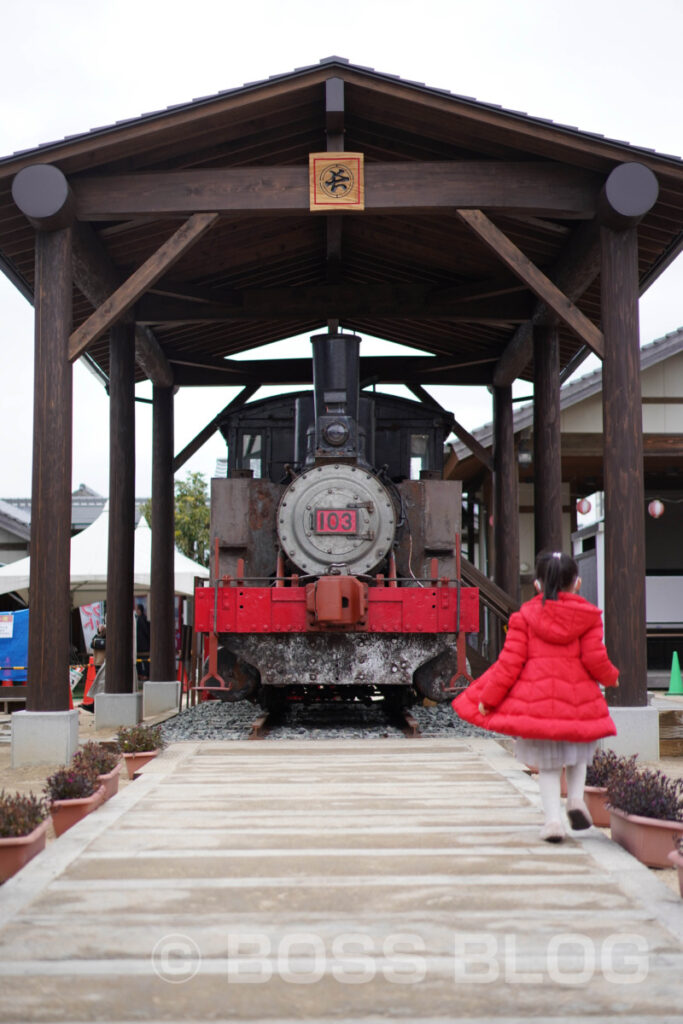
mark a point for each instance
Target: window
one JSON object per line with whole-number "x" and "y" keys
{"x": 419, "y": 454}
{"x": 252, "y": 454}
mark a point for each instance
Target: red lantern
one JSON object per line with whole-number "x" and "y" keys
{"x": 583, "y": 506}
{"x": 656, "y": 508}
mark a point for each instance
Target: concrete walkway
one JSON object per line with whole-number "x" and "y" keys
{"x": 336, "y": 881}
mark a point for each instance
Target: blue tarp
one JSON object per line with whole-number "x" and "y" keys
{"x": 13, "y": 645}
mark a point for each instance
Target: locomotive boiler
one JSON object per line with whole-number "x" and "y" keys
{"x": 335, "y": 547}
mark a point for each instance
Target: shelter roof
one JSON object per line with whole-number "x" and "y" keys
{"x": 414, "y": 276}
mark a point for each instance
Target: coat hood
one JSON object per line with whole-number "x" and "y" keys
{"x": 558, "y": 622}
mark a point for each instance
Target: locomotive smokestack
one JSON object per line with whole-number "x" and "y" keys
{"x": 335, "y": 387}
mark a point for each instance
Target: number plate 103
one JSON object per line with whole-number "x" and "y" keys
{"x": 336, "y": 520}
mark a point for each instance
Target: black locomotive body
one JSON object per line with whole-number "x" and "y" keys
{"x": 335, "y": 546}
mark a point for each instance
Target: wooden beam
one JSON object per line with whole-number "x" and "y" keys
{"x": 143, "y": 278}
{"x": 482, "y": 454}
{"x": 537, "y": 281}
{"x": 121, "y": 540}
{"x": 210, "y": 429}
{"x": 334, "y": 114}
{"x": 539, "y": 188}
{"x": 631, "y": 190}
{"x": 340, "y": 300}
{"x": 96, "y": 278}
{"x": 592, "y": 445}
{"x": 505, "y": 495}
{"x": 162, "y": 586}
{"x": 576, "y": 269}
{"x": 190, "y": 372}
{"x": 334, "y": 226}
{"x": 48, "y": 635}
{"x": 547, "y": 444}
{"x": 625, "y": 628}
{"x": 43, "y": 195}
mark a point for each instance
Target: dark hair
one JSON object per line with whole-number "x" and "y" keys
{"x": 555, "y": 571}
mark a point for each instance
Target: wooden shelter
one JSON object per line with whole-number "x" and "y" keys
{"x": 498, "y": 244}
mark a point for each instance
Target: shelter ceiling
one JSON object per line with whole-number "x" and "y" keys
{"x": 452, "y": 296}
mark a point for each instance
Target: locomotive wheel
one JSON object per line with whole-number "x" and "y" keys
{"x": 242, "y": 679}
{"x": 432, "y": 679}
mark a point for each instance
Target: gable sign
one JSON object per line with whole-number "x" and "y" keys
{"x": 336, "y": 181}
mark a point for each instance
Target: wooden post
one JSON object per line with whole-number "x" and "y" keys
{"x": 120, "y": 562}
{"x": 547, "y": 444}
{"x": 625, "y": 624}
{"x": 48, "y": 649}
{"x": 162, "y": 624}
{"x": 505, "y": 495}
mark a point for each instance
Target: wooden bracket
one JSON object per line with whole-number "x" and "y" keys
{"x": 137, "y": 284}
{"x": 536, "y": 280}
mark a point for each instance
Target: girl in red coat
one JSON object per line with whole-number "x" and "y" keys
{"x": 544, "y": 689}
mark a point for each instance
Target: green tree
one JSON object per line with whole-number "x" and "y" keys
{"x": 191, "y": 517}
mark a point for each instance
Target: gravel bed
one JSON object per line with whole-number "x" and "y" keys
{"x": 220, "y": 720}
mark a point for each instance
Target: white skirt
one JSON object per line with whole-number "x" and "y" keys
{"x": 554, "y": 753}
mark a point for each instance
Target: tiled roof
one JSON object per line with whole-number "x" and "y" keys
{"x": 334, "y": 60}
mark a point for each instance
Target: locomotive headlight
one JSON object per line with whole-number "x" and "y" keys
{"x": 336, "y": 433}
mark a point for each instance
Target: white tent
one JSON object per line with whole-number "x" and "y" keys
{"x": 89, "y": 565}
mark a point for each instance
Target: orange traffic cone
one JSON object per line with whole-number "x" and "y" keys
{"x": 182, "y": 676}
{"x": 89, "y": 702}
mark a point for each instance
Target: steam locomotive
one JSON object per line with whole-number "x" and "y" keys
{"x": 335, "y": 547}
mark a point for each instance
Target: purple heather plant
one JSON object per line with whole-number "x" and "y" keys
{"x": 604, "y": 764}
{"x": 71, "y": 784}
{"x": 96, "y": 756}
{"x": 650, "y": 794}
{"x": 20, "y": 814}
{"x": 140, "y": 739}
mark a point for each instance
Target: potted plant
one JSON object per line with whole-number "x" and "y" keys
{"x": 105, "y": 762}
{"x": 646, "y": 811}
{"x": 598, "y": 773}
{"x": 675, "y": 858}
{"x": 24, "y": 820}
{"x": 139, "y": 744}
{"x": 72, "y": 792}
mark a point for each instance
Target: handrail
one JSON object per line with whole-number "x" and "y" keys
{"x": 491, "y": 595}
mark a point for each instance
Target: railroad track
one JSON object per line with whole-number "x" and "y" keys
{"x": 399, "y": 717}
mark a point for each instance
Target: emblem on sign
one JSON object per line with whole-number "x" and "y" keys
{"x": 336, "y": 181}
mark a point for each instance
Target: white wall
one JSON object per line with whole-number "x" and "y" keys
{"x": 665, "y": 380}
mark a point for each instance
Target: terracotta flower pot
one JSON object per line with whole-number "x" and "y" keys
{"x": 110, "y": 782}
{"x": 66, "y": 813}
{"x": 648, "y": 839}
{"x": 595, "y": 798}
{"x": 15, "y": 851}
{"x": 134, "y": 762}
{"x": 676, "y": 860}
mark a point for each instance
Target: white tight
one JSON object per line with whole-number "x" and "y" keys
{"x": 549, "y": 786}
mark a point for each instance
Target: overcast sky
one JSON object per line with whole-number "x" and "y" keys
{"x": 606, "y": 66}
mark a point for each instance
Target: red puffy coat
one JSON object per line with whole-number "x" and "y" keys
{"x": 543, "y": 685}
